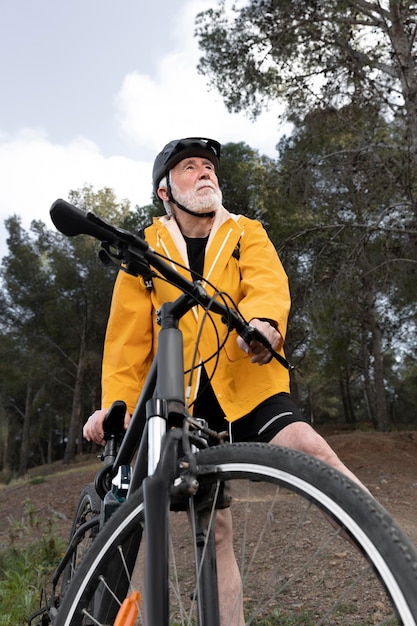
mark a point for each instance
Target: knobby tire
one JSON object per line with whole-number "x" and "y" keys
{"x": 325, "y": 551}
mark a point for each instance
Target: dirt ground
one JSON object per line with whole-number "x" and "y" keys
{"x": 385, "y": 462}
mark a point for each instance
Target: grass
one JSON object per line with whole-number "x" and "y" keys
{"x": 278, "y": 619}
{"x": 26, "y": 562}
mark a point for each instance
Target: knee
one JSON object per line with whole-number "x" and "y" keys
{"x": 301, "y": 436}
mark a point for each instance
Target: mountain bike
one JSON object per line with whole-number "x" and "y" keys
{"x": 312, "y": 547}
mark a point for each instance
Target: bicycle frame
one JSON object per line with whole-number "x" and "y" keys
{"x": 160, "y": 404}
{"x": 165, "y": 406}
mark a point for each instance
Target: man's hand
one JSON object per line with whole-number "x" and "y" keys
{"x": 261, "y": 355}
{"x": 93, "y": 428}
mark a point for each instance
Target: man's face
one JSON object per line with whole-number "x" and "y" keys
{"x": 195, "y": 185}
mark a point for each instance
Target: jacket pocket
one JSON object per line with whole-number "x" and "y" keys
{"x": 234, "y": 353}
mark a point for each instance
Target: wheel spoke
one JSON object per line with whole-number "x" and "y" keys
{"x": 311, "y": 548}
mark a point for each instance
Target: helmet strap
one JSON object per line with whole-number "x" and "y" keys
{"x": 181, "y": 206}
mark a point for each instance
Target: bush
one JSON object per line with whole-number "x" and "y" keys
{"x": 26, "y": 564}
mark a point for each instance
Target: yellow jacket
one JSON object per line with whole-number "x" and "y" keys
{"x": 256, "y": 282}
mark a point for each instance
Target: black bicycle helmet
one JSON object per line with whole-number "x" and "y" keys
{"x": 179, "y": 149}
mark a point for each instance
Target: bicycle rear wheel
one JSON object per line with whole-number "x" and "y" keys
{"x": 87, "y": 510}
{"x": 312, "y": 548}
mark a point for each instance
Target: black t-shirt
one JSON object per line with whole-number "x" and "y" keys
{"x": 206, "y": 404}
{"x": 196, "y": 248}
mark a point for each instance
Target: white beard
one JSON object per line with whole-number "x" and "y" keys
{"x": 209, "y": 200}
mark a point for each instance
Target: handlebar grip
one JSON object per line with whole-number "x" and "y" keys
{"x": 72, "y": 221}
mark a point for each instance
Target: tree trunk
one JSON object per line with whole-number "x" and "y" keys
{"x": 381, "y": 412}
{"x": 401, "y": 38}
{"x": 75, "y": 427}
{"x": 24, "y": 448}
{"x": 50, "y": 447}
{"x": 4, "y": 450}
{"x": 368, "y": 390}
{"x": 294, "y": 388}
{"x": 380, "y": 402}
{"x": 350, "y": 417}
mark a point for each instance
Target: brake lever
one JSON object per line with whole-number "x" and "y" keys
{"x": 250, "y": 333}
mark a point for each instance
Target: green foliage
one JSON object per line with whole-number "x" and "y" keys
{"x": 348, "y": 189}
{"x": 334, "y": 204}
{"x": 249, "y": 182}
{"x": 308, "y": 54}
{"x": 56, "y": 298}
{"x": 26, "y": 563}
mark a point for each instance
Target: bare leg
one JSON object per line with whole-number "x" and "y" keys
{"x": 298, "y": 436}
{"x": 229, "y": 583}
{"x": 301, "y": 436}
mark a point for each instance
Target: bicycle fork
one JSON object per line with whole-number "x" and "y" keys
{"x": 157, "y": 491}
{"x": 205, "y": 566}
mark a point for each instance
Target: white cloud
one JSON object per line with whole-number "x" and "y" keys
{"x": 35, "y": 172}
{"x": 150, "y": 110}
{"x": 176, "y": 102}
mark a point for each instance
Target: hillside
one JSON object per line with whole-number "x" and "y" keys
{"x": 385, "y": 462}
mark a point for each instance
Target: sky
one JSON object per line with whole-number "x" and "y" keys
{"x": 91, "y": 91}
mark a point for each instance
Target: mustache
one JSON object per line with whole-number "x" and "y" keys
{"x": 205, "y": 184}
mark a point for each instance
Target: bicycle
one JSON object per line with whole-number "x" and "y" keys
{"x": 329, "y": 553}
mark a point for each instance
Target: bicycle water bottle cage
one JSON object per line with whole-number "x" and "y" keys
{"x": 121, "y": 482}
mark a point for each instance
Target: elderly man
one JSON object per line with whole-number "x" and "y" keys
{"x": 245, "y": 391}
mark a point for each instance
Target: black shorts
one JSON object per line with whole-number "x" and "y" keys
{"x": 264, "y": 422}
{"x": 261, "y": 424}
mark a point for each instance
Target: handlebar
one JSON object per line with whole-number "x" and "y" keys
{"x": 133, "y": 250}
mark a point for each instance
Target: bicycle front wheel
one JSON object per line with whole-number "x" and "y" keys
{"x": 311, "y": 548}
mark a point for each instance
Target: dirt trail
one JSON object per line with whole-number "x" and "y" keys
{"x": 385, "y": 462}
